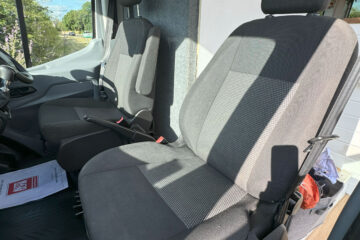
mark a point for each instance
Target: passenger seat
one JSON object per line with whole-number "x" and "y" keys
{"x": 128, "y": 84}
{"x": 245, "y": 123}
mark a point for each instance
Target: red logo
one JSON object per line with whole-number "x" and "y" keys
{"x": 23, "y": 185}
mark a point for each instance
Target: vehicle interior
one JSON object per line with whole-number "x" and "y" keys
{"x": 191, "y": 119}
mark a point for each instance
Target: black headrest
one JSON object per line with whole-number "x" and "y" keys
{"x": 129, "y": 3}
{"x": 293, "y": 6}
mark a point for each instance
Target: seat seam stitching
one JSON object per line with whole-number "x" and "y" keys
{"x": 166, "y": 203}
{"x": 111, "y": 170}
{"x": 158, "y": 194}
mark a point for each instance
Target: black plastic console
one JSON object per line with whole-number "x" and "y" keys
{"x": 75, "y": 152}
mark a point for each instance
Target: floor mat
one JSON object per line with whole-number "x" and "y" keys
{"x": 34, "y": 183}
{"x": 50, "y": 218}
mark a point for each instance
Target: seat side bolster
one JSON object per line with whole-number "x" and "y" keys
{"x": 146, "y": 75}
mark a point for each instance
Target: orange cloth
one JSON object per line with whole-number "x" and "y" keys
{"x": 310, "y": 192}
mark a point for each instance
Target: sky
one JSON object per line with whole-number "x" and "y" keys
{"x": 60, "y": 7}
{"x": 357, "y": 4}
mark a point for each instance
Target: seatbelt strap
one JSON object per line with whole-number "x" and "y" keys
{"x": 112, "y": 12}
{"x": 317, "y": 144}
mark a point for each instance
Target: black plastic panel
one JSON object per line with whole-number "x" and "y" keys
{"x": 21, "y": 91}
{"x": 50, "y": 218}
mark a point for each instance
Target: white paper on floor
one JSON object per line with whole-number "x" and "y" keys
{"x": 31, "y": 184}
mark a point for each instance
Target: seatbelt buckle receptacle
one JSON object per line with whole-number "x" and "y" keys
{"x": 102, "y": 93}
{"x": 295, "y": 201}
{"x": 120, "y": 120}
{"x": 162, "y": 140}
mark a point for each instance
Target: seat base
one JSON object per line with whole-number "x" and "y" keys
{"x": 76, "y": 151}
{"x": 63, "y": 118}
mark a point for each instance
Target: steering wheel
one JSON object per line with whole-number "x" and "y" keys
{"x": 20, "y": 72}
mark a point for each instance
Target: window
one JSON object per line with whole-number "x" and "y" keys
{"x": 10, "y": 38}
{"x": 347, "y": 9}
{"x": 55, "y": 28}
{"x": 354, "y": 13}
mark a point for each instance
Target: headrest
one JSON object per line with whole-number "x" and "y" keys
{"x": 293, "y": 6}
{"x": 129, "y": 3}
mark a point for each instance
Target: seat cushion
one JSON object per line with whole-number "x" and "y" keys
{"x": 154, "y": 191}
{"x": 63, "y": 118}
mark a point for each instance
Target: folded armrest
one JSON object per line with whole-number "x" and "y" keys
{"x": 75, "y": 152}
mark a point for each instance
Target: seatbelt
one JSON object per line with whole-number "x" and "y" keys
{"x": 293, "y": 201}
{"x": 112, "y": 16}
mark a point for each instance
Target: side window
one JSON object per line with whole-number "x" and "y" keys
{"x": 349, "y": 10}
{"x": 354, "y": 13}
{"x": 55, "y": 28}
{"x": 10, "y": 37}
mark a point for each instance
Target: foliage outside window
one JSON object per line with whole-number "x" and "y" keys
{"x": 50, "y": 36}
{"x": 355, "y": 11}
{"x": 349, "y": 10}
{"x": 10, "y": 38}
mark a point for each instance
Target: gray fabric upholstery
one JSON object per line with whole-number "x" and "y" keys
{"x": 247, "y": 218}
{"x": 119, "y": 184}
{"x": 145, "y": 80}
{"x": 123, "y": 205}
{"x": 260, "y": 84}
{"x": 192, "y": 189}
{"x": 128, "y": 3}
{"x": 293, "y": 6}
{"x": 133, "y": 155}
{"x": 128, "y": 80}
{"x": 233, "y": 224}
{"x": 122, "y": 183}
{"x": 121, "y": 73}
{"x": 245, "y": 123}
{"x": 63, "y": 118}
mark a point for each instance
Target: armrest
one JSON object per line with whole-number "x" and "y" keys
{"x": 76, "y": 151}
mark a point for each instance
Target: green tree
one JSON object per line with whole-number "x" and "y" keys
{"x": 58, "y": 25}
{"x": 86, "y": 16}
{"x": 354, "y": 12}
{"x": 8, "y": 16}
{"x": 42, "y": 32}
{"x": 13, "y": 45}
{"x": 79, "y": 20}
{"x": 70, "y": 21}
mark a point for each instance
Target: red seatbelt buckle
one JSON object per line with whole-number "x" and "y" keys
{"x": 161, "y": 140}
{"x": 120, "y": 120}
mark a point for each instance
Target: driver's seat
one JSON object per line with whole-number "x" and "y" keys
{"x": 128, "y": 83}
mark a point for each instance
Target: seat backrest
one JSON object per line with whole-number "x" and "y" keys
{"x": 130, "y": 71}
{"x": 265, "y": 94}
